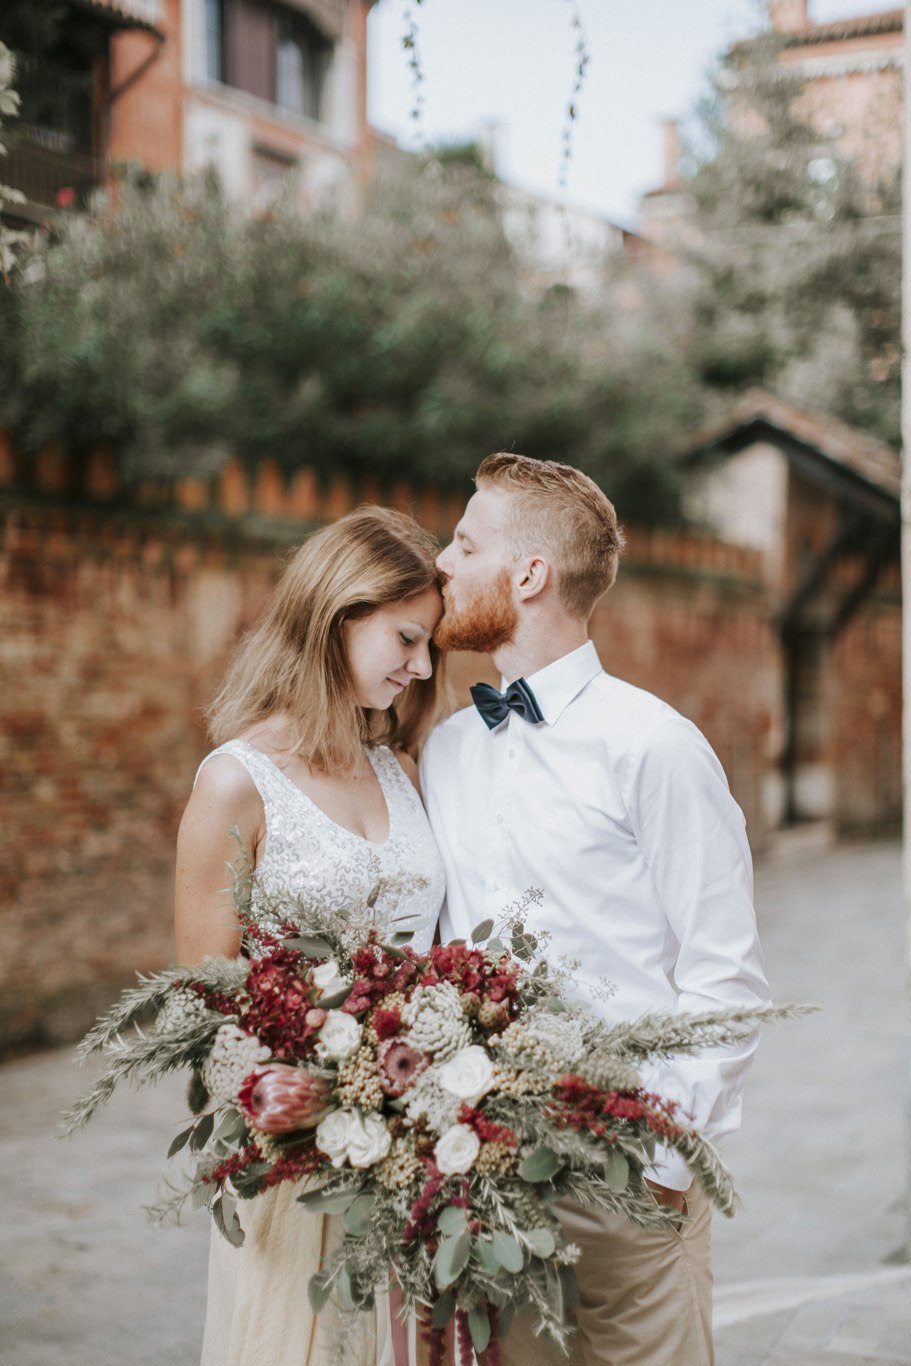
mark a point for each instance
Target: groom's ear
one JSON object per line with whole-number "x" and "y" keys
{"x": 534, "y": 576}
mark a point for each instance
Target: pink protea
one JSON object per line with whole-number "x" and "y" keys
{"x": 399, "y": 1066}
{"x": 277, "y": 1098}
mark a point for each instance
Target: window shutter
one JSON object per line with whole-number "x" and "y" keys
{"x": 251, "y": 46}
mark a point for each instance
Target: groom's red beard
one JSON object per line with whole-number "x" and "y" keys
{"x": 483, "y": 622}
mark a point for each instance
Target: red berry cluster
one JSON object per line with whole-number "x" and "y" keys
{"x": 278, "y": 1002}
{"x": 579, "y": 1105}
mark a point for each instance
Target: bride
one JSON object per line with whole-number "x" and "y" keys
{"x": 321, "y": 711}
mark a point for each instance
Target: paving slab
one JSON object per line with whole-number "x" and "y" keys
{"x": 808, "y": 1273}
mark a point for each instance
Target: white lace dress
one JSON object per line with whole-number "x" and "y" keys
{"x": 258, "y": 1311}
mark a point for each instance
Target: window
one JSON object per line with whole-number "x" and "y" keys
{"x": 303, "y": 57}
{"x": 269, "y": 50}
{"x": 215, "y": 35}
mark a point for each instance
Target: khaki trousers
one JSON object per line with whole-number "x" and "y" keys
{"x": 646, "y": 1297}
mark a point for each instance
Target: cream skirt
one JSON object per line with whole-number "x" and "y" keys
{"x": 258, "y": 1311}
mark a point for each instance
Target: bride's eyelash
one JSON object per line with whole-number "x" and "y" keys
{"x": 405, "y": 639}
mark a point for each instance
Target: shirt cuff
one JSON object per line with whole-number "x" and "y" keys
{"x": 669, "y": 1170}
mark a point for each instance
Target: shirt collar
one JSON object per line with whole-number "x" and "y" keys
{"x": 556, "y": 685}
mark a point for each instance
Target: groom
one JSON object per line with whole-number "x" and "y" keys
{"x": 616, "y": 808}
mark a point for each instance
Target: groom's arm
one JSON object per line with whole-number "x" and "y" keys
{"x": 692, "y": 835}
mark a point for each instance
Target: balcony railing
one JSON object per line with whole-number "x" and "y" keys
{"x": 42, "y": 163}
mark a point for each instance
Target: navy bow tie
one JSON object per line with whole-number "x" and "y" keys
{"x": 495, "y": 706}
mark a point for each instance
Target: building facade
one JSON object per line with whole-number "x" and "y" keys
{"x": 271, "y": 94}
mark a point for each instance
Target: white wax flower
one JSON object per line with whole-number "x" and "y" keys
{"x": 327, "y": 978}
{"x": 339, "y": 1036}
{"x": 456, "y": 1150}
{"x": 368, "y": 1141}
{"x": 468, "y": 1075}
{"x": 333, "y": 1134}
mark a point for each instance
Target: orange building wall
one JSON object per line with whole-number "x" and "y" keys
{"x": 147, "y": 119}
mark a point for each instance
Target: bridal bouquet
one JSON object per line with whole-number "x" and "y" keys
{"x": 440, "y": 1103}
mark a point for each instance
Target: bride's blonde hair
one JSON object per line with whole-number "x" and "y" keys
{"x": 293, "y": 663}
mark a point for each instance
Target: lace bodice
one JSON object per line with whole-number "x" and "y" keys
{"x": 306, "y": 851}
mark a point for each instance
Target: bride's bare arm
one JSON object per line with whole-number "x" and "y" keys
{"x": 224, "y": 797}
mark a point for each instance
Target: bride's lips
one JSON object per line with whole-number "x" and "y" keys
{"x": 396, "y": 684}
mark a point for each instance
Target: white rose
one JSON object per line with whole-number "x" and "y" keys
{"x": 339, "y": 1036}
{"x": 457, "y": 1149}
{"x": 327, "y": 979}
{"x": 333, "y": 1133}
{"x": 468, "y": 1075}
{"x": 368, "y": 1141}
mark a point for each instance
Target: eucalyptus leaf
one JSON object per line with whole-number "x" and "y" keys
{"x": 451, "y": 1221}
{"x": 317, "y": 1293}
{"x": 199, "y": 1196}
{"x": 479, "y": 1327}
{"x": 338, "y": 998}
{"x": 542, "y": 1240}
{"x": 345, "y": 1290}
{"x": 540, "y": 1165}
{"x": 523, "y": 944}
{"x": 484, "y": 1251}
{"x": 443, "y": 1309}
{"x": 496, "y": 945}
{"x": 616, "y": 1171}
{"x": 569, "y": 1284}
{"x": 508, "y": 1251}
{"x": 451, "y": 1259}
{"x": 479, "y": 933}
{"x": 357, "y": 1215}
{"x": 310, "y": 945}
{"x": 401, "y": 938}
{"x": 332, "y": 1202}
{"x": 556, "y": 1006}
{"x": 202, "y": 1132}
{"x": 180, "y": 1141}
{"x": 231, "y": 1126}
{"x": 507, "y": 1314}
{"x": 230, "y": 1222}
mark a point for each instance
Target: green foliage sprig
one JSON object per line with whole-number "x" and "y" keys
{"x": 789, "y": 252}
{"x": 12, "y": 241}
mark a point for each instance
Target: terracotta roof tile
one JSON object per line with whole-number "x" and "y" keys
{"x": 875, "y": 461}
{"x": 886, "y": 21}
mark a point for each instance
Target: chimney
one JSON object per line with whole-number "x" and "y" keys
{"x": 788, "y": 16}
{"x": 671, "y": 153}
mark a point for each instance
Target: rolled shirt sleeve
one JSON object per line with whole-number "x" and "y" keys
{"x": 692, "y": 836}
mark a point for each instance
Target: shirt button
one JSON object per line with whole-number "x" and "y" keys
{"x": 500, "y": 818}
{"x": 493, "y": 885}
{"x": 512, "y": 753}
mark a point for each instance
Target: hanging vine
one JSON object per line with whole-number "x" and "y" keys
{"x": 581, "y": 57}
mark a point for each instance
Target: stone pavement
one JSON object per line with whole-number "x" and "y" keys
{"x": 808, "y": 1274}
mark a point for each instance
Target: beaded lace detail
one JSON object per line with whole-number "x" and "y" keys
{"x": 306, "y": 851}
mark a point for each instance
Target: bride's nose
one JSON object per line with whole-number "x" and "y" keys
{"x": 419, "y": 662}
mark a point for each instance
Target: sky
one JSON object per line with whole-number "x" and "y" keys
{"x": 510, "y": 63}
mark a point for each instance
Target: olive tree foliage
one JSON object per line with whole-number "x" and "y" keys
{"x": 790, "y": 253}
{"x": 402, "y": 342}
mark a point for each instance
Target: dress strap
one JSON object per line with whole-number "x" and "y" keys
{"x": 267, "y": 777}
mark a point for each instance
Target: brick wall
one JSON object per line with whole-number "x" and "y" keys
{"x": 117, "y": 614}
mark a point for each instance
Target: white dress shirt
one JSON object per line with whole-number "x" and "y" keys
{"x": 618, "y": 810}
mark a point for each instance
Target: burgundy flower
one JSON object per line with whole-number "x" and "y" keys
{"x": 278, "y": 1099}
{"x": 387, "y": 1021}
{"x": 399, "y": 1066}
